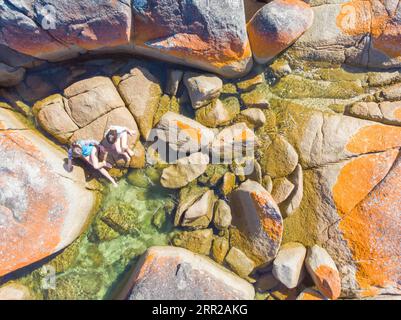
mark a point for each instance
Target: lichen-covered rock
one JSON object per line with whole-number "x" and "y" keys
{"x": 43, "y": 208}
{"x": 384, "y": 112}
{"x": 141, "y": 92}
{"x": 222, "y": 215}
{"x": 178, "y": 274}
{"x": 257, "y": 98}
{"x": 182, "y": 133}
{"x": 364, "y": 33}
{"x": 207, "y": 35}
{"x": 323, "y": 271}
{"x": 202, "y": 88}
{"x": 257, "y": 221}
{"x": 184, "y": 171}
{"x": 311, "y": 294}
{"x": 166, "y": 104}
{"x": 198, "y": 241}
{"x": 288, "y": 267}
{"x": 239, "y": 262}
{"x": 213, "y": 174}
{"x": 218, "y": 113}
{"x": 233, "y": 142}
{"x": 228, "y": 183}
{"x": 276, "y": 26}
{"x": 354, "y": 164}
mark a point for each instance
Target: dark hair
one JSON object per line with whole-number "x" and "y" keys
{"x": 111, "y": 136}
{"x": 76, "y": 150}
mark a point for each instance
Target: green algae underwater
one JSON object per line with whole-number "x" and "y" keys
{"x": 132, "y": 217}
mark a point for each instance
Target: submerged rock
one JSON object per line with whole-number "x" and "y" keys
{"x": 43, "y": 207}
{"x": 178, "y": 274}
{"x": 257, "y": 221}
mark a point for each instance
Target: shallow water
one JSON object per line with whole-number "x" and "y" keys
{"x": 99, "y": 266}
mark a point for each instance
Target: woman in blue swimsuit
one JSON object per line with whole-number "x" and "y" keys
{"x": 90, "y": 150}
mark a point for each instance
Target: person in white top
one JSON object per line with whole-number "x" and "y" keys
{"x": 117, "y": 136}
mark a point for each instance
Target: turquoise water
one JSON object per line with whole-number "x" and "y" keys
{"x": 93, "y": 268}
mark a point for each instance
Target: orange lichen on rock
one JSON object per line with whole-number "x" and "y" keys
{"x": 375, "y": 138}
{"x": 370, "y": 219}
{"x": 329, "y": 281}
{"x": 269, "y": 220}
{"x": 30, "y": 228}
{"x": 397, "y": 114}
{"x": 374, "y": 18}
{"x": 359, "y": 177}
{"x": 194, "y": 133}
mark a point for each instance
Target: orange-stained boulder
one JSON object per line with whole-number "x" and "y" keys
{"x": 357, "y": 32}
{"x": 209, "y": 35}
{"x": 276, "y": 26}
{"x": 323, "y": 271}
{"x": 170, "y": 273}
{"x": 43, "y": 208}
{"x": 257, "y": 221}
{"x": 351, "y": 204}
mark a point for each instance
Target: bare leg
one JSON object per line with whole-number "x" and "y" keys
{"x": 108, "y": 176}
{"x": 124, "y": 145}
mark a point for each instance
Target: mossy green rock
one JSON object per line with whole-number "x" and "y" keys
{"x": 228, "y": 184}
{"x": 218, "y": 113}
{"x": 199, "y": 241}
{"x": 297, "y": 87}
{"x": 239, "y": 262}
{"x": 67, "y": 258}
{"x": 220, "y": 248}
{"x": 123, "y": 218}
{"x": 166, "y": 104}
{"x": 251, "y": 82}
{"x": 75, "y": 286}
{"x": 257, "y": 98}
{"x": 280, "y": 158}
{"x": 213, "y": 174}
{"x": 138, "y": 178}
{"x": 159, "y": 218}
{"x": 102, "y": 232}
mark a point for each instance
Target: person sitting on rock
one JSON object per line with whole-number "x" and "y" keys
{"x": 117, "y": 137}
{"x": 93, "y": 153}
